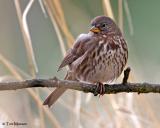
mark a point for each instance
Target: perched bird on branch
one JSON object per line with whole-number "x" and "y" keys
{"x": 97, "y": 57}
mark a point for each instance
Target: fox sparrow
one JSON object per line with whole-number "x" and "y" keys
{"x": 97, "y": 57}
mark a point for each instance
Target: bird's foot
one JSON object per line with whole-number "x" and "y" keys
{"x": 100, "y": 89}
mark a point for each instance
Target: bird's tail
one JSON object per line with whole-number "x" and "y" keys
{"x": 54, "y": 96}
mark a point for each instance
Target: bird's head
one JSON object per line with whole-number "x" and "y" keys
{"x": 103, "y": 25}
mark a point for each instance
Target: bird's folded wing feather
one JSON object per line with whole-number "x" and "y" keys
{"x": 79, "y": 48}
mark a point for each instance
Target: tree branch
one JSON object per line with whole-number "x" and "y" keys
{"x": 109, "y": 89}
{"x": 85, "y": 87}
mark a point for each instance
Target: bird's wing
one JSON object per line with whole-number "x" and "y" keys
{"x": 79, "y": 48}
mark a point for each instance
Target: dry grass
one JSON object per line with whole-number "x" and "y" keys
{"x": 108, "y": 9}
{"x": 22, "y": 17}
{"x": 54, "y": 9}
{"x": 37, "y": 100}
{"x": 129, "y": 18}
{"x": 56, "y": 14}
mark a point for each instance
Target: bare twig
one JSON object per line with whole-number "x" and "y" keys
{"x": 126, "y": 75}
{"x": 109, "y": 89}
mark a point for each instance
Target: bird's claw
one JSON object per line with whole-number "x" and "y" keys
{"x": 100, "y": 89}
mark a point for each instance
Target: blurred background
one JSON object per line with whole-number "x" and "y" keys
{"x": 34, "y": 36}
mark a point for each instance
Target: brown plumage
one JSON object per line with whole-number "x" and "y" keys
{"x": 97, "y": 57}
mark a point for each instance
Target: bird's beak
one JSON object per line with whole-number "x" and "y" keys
{"x": 95, "y": 29}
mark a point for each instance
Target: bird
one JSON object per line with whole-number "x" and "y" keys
{"x": 96, "y": 57}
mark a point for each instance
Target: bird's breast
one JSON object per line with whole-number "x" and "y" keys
{"x": 103, "y": 63}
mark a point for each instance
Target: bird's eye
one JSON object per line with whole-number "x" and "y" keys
{"x": 104, "y": 25}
